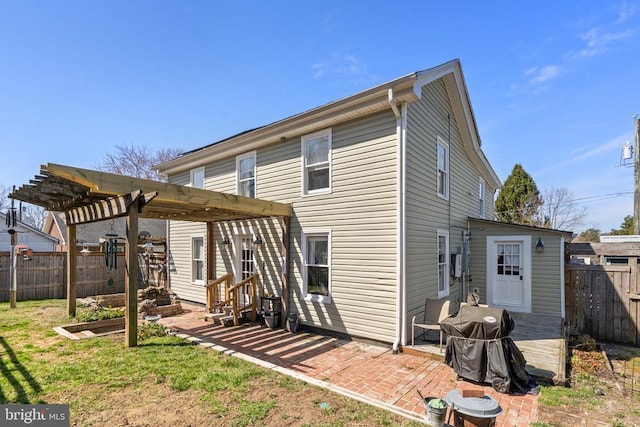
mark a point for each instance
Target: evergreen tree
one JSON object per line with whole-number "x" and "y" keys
{"x": 519, "y": 200}
{"x": 589, "y": 235}
{"x": 626, "y": 228}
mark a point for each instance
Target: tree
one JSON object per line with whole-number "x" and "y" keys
{"x": 559, "y": 210}
{"x": 626, "y": 227}
{"x": 590, "y": 235}
{"x": 5, "y": 202}
{"x": 138, "y": 162}
{"x": 519, "y": 199}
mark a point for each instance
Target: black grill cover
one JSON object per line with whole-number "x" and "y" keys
{"x": 479, "y": 323}
{"x": 479, "y": 349}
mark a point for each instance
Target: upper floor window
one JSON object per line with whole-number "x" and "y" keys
{"x": 316, "y": 162}
{"x": 317, "y": 265}
{"x": 443, "y": 168}
{"x": 197, "y": 177}
{"x": 246, "y": 173}
{"x": 481, "y": 197}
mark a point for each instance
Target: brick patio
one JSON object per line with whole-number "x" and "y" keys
{"x": 367, "y": 372}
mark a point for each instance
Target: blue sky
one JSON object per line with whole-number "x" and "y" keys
{"x": 553, "y": 84}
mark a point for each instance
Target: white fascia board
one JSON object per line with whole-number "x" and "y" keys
{"x": 358, "y": 105}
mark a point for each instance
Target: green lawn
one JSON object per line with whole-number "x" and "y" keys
{"x": 163, "y": 381}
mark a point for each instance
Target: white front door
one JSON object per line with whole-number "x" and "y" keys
{"x": 509, "y": 272}
{"x": 244, "y": 263}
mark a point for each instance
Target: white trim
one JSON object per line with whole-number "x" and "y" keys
{"x": 441, "y": 142}
{"x": 326, "y": 299}
{"x": 482, "y": 208}
{"x": 402, "y": 225}
{"x": 239, "y": 158}
{"x": 192, "y": 260}
{"x": 526, "y": 267}
{"x": 303, "y": 158}
{"x": 192, "y": 174}
{"x": 447, "y": 259}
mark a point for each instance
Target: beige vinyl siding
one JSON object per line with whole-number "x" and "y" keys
{"x": 545, "y": 266}
{"x": 360, "y": 212}
{"x": 425, "y": 211}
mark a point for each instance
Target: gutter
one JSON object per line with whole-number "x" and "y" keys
{"x": 400, "y": 284}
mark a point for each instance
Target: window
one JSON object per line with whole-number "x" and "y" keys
{"x": 443, "y": 263}
{"x": 316, "y": 266}
{"x": 246, "y": 172}
{"x": 443, "y": 168}
{"x": 197, "y": 178}
{"x": 481, "y": 198}
{"x": 197, "y": 260}
{"x": 316, "y": 162}
{"x": 509, "y": 259}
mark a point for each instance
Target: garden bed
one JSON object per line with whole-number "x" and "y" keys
{"x": 81, "y": 330}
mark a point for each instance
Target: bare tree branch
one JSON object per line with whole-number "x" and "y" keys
{"x": 559, "y": 210}
{"x": 138, "y": 162}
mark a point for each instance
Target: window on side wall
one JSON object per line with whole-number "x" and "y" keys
{"x": 481, "y": 198}
{"x": 316, "y": 162}
{"x": 197, "y": 260}
{"x": 317, "y": 261}
{"x": 443, "y": 263}
{"x": 197, "y": 178}
{"x": 443, "y": 168}
{"x": 246, "y": 174}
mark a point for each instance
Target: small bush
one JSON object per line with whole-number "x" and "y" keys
{"x": 148, "y": 330}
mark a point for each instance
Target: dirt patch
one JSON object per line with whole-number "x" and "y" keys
{"x": 604, "y": 388}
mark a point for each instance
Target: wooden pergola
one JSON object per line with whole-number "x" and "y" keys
{"x": 87, "y": 196}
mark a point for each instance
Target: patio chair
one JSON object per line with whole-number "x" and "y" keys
{"x": 434, "y": 312}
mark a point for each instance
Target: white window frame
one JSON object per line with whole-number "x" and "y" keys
{"x": 239, "y": 158}
{"x": 447, "y": 174}
{"x": 306, "y": 167}
{"x": 195, "y": 260}
{"x": 446, "y": 265}
{"x": 326, "y": 299}
{"x": 193, "y": 175}
{"x": 481, "y": 198}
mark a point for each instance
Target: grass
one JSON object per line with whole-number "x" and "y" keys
{"x": 164, "y": 376}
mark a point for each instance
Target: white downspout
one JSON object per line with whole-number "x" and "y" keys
{"x": 562, "y": 272}
{"x": 400, "y": 321}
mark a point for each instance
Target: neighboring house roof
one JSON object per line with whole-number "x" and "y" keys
{"x": 524, "y": 227}
{"x": 92, "y": 232}
{"x": 378, "y": 98}
{"x": 24, "y": 227}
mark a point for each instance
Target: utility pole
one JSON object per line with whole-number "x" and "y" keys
{"x": 636, "y": 178}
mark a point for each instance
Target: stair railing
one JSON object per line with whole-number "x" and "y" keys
{"x": 214, "y": 301}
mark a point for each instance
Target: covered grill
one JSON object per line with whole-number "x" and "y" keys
{"x": 479, "y": 349}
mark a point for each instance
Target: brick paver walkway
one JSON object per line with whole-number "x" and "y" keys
{"x": 371, "y": 373}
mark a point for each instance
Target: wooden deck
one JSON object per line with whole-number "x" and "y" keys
{"x": 539, "y": 338}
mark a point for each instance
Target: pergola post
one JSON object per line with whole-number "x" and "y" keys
{"x": 72, "y": 274}
{"x": 131, "y": 274}
{"x": 285, "y": 224}
{"x": 13, "y": 270}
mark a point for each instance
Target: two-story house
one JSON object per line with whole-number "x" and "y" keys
{"x": 382, "y": 185}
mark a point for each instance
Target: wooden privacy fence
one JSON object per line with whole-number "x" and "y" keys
{"x": 603, "y": 301}
{"x": 44, "y": 276}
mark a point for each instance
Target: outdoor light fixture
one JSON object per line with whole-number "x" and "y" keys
{"x": 539, "y": 245}
{"x": 225, "y": 241}
{"x": 85, "y": 250}
{"x": 258, "y": 240}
